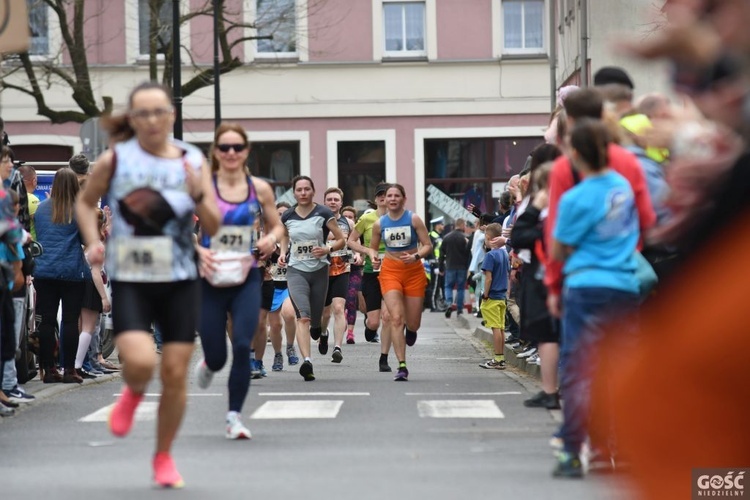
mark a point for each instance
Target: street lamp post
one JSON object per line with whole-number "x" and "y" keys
{"x": 176, "y": 69}
{"x": 217, "y": 72}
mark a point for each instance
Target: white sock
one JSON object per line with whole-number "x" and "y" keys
{"x": 232, "y": 414}
{"x": 84, "y": 340}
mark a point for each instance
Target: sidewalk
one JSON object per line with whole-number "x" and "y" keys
{"x": 484, "y": 335}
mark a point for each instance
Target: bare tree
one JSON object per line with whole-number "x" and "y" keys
{"x": 39, "y": 76}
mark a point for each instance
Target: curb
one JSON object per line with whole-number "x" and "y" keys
{"x": 43, "y": 392}
{"x": 511, "y": 358}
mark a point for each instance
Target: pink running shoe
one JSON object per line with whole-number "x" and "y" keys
{"x": 350, "y": 338}
{"x": 165, "y": 472}
{"x": 121, "y": 416}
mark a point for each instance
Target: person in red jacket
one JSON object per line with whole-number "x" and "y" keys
{"x": 588, "y": 103}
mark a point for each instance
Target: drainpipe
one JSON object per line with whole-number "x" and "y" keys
{"x": 584, "y": 19}
{"x": 552, "y": 55}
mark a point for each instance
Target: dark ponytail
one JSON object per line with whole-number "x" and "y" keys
{"x": 590, "y": 139}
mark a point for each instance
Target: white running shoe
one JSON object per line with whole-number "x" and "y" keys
{"x": 527, "y": 353}
{"x": 203, "y": 375}
{"x": 235, "y": 429}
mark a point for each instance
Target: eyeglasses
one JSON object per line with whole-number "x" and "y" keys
{"x": 224, "y": 148}
{"x": 145, "y": 114}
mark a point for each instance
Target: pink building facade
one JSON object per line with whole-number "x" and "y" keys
{"x": 443, "y": 96}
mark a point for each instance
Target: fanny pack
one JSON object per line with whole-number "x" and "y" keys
{"x": 231, "y": 269}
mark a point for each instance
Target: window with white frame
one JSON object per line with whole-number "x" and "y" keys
{"x": 38, "y": 11}
{"x": 276, "y": 19}
{"x": 523, "y": 26}
{"x": 404, "y": 29}
{"x": 162, "y": 9}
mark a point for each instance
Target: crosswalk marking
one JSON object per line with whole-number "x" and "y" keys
{"x": 297, "y": 409}
{"x": 461, "y": 408}
{"x": 317, "y": 394}
{"x": 507, "y": 393}
{"x": 146, "y": 411}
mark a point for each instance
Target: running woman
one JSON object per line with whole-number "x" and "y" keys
{"x": 232, "y": 279}
{"x": 154, "y": 184}
{"x": 355, "y": 280}
{"x": 374, "y": 310}
{"x": 308, "y": 226}
{"x": 402, "y": 277}
{"x": 338, "y": 280}
{"x": 281, "y": 308}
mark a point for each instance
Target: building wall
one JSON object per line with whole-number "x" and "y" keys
{"x": 638, "y": 20}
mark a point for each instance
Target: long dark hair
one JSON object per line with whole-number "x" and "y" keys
{"x": 117, "y": 126}
{"x": 590, "y": 139}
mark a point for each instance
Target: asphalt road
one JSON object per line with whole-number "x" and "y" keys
{"x": 452, "y": 431}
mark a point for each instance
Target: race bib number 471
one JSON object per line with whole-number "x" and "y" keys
{"x": 233, "y": 239}
{"x": 144, "y": 259}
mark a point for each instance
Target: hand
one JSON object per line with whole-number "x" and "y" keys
{"x": 193, "y": 182}
{"x": 95, "y": 254}
{"x": 375, "y": 258}
{"x": 553, "y": 305}
{"x": 266, "y": 246}
{"x": 407, "y": 258}
{"x": 498, "y": 241}
{"x": 320, "y": 252}
{"x": 541, "y": 199}
{"x": 357, "y": 261}
{"x": 282, "y": 261}
{"x": 106, "y": 306}
{"x": 206, "y": 262}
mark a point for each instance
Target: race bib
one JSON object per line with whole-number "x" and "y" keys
{"x": 144, "y": 259}
{"x": 340, "y": 253}
{"x": 278, "y": 273}
{"x": 302, "y": 250}
{"x": 233, "y": 239}
{"x": 397, "y": 237}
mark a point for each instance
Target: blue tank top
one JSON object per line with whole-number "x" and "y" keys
{"x": 238, "y": 222}
{"x": 398, "y": 235}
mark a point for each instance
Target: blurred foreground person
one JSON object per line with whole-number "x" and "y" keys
{"x": 675, "y": 414}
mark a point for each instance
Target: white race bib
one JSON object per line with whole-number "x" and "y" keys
{"x": 237, "y": 239}
{"x": 302, "y": 250}
{"x": 144, "y": 259}
{"x": 278, "y": 273}
{"x": 397, "y": 237}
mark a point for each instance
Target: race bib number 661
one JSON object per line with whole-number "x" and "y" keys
{"x": 396, "y": 237}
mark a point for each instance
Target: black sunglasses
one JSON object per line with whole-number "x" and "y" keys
{"x": 224, "y": 148}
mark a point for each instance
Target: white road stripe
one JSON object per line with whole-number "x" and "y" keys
{"x": 318, "y": 394}
{"x": 145, "y": 412}
{"x": 192, "y": 395}
{"x": 297, "y": 409}
{"x": 462, "y": 408}
{"x": 507, "y": 393}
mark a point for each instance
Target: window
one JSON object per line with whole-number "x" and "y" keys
{"x": 277, "y": 19}
{"x": 523, "y": 26}
{"x": 38, "y": 27}
{"x": 163, "y": 10}
{"x": 404, "y": 29}
{"x": 465, "y": 169}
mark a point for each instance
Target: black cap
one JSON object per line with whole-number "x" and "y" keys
{"x": 612, "y": 74}
{"x": 381, "y": 188}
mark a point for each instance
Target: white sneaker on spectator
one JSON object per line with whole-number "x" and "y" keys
{"x": 528, "y": 352}
{"x": 533, "y": 359}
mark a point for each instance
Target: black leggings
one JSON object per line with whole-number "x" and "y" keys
{"x": 49, "y": 293}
